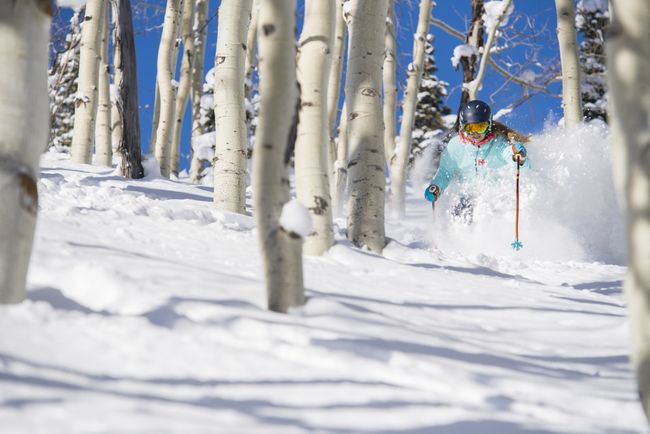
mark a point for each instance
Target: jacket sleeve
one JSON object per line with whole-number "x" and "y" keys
{"x": 446, "y": 171}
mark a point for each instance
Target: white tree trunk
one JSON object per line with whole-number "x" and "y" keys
{"x": 251, "y": 40}
{"x": 24, "y": 114}
{"x": 365, "y": 124}
{"x": 399, "y": 163}
{"x": 390, "y": 84}
{"x": 334, "y": 83}
{"x": 185, "y": 82}
{"x": 103, "y": 146}
{"x": 229, "y": 108}
{"x": 116, "y": 117}
{"x": 566, "y": 36}
{"x": 338, "y": 185}
{"x": 167, "y": 92}
{"x": 281, "y": 250}
{"x": 86, "y": 105}
{"x": 312, "y": 185}
{"x": 155, "y": 120}
{"x": 199, "y": 31}
{"x": 628, "y": 61}
{"x": 475, "y": 85}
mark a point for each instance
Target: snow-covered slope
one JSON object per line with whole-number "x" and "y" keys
{"x": 146, "y": 314}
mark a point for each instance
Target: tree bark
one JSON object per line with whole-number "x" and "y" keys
{"x": 116, "y": 117}
{"x": 390, "y": 84}
{"x": 365, "y": 124}
{"x": 166, "y": 89}
{"x": 251, "y": 40}
{"x": 185, "y": 82}
{"x": 127, "y": 99}
{"x": 399, "y": 163}
{"x": 628, "y": 60}
{"x": 566, "y": 36}
{"x": 475, "y": 85}
{"x": 340, "y": 181}
{"x": 24, "y": 114}
{"x": 229, "y": 109}
{"x": 103, "y": 146}
{"x": 312, "y": 182}
{"x": 475, "y": 39}
{"x": 86, "y": 105}
{"x": 334, "y": 85}
{"x": 200, "y": 33}
{"x": 281, "y": 250}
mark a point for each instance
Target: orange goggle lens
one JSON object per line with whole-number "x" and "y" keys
{"x": 476, "y": 128}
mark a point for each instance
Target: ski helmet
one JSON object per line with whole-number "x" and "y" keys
{"x": 474, "y": 112}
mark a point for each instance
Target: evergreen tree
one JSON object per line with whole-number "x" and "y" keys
{"x": 592, "y": 19}
{"x": 431, "y": 108}
{"x": 62, "y": 86}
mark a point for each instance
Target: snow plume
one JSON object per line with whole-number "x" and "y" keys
{"x": 568, "y": 206}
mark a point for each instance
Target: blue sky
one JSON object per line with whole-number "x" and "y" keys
{"x": 528, "y": 118}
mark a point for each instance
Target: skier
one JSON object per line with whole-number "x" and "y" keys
{"x": 480, "y": 147}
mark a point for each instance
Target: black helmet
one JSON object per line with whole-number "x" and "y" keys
{"x": 475, "y": 111}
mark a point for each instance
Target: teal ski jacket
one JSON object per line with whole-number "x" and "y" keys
{"x": 465, "y": 160}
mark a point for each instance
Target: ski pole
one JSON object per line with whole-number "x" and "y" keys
{"x": 517, "y": 244}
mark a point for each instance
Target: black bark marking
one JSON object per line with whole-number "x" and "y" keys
{"x": 293, "y": 131}
{"x": 29, "y": 193}
{"x": 45, "y": 6}
{"x": 268, "y": 29}
{"x": 221, "y": 59}
{"x": 353, "y": 116}
{"x": 320, "y": 205}
{"x": 369, "y": 92}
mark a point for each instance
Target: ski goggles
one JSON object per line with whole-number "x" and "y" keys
{"x": 476, "y": 128}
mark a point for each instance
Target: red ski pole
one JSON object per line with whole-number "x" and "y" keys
{"x": 517, "y": 244}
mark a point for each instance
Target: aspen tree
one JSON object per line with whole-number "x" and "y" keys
{"x": 473, "y": 39}
{"x": 475, "y": 84}
{"x": 229, "y": 110}
{"x": 200, "y": 33}
{"x": 334, "y": 85}
{"x": 365, "y": 124}
{"x": 251, "y": 40}
{"x": 399, "y": 162}
{"x": 24, "y": 32}
{"x": 86, "y": 104}
{"x": 166, "y": 88}
{"x": 281, "y": 250}
{"x": 340, "y": 177}
{"x": 566, "y": 36}
{"x": 390, "y": 84}
{"x": 155, "y": 119}
{"x": 103, "y": 146}
{"x": 312, "y": 182}
{"x": 128, "y": 144}
{"x": 116, "y": 118}
{"x": 185, "y": 81}
{"x": 628, "y": 60}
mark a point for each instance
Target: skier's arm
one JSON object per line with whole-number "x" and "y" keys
{"x": 445, "y": 172}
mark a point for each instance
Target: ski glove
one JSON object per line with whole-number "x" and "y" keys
{"x": 519, "y": 153}
{"x": 431, "y": 193}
